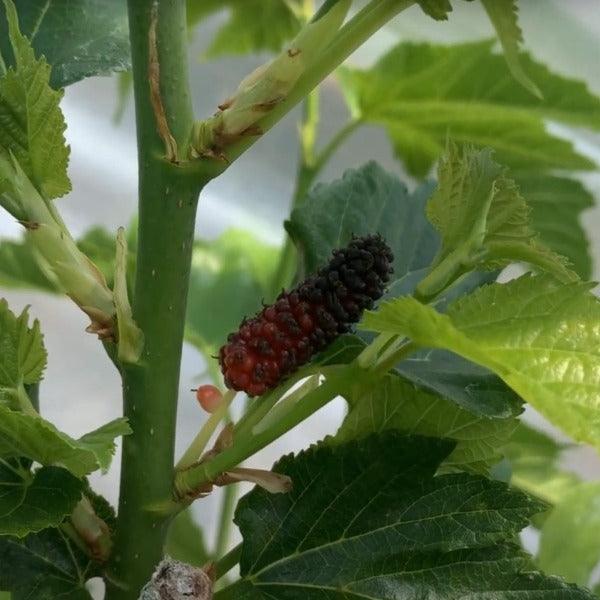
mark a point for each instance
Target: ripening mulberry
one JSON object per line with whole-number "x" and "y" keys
{"x": 286, "y": 334}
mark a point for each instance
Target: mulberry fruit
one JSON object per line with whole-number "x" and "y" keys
{"x": 285, "y": 335}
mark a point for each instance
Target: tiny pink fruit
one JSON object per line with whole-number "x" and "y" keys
{"x": 209, "y": 397}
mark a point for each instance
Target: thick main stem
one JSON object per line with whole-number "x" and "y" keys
{"x": 167, "y": 207}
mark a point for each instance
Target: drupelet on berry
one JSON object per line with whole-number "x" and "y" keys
{"x": 285, "y": 335}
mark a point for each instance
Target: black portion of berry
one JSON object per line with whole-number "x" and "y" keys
{"x": 285, "y": 335}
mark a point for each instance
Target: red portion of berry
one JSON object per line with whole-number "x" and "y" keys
{"x": 209, "y": 397}
{"x": 285, "y": 335}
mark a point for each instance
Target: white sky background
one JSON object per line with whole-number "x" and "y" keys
{"x": 81, "y": 389}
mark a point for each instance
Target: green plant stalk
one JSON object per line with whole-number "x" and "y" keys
{"x": 167, "y": 207}
{"x": 228, "y": 561}
{"x": 260, "y": 407}
{"x": 199, "y": 443}
{"x": 225, "y": 519}
{"x": 350, "y": 37}
{"x": 195, "y": 477}
{"x": 286, "y": 267}
{"x": 392, "y": 357}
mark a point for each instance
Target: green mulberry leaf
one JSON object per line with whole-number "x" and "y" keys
{"x": 44, "y": 566}
{"x": 30, "y": 502}
{"x": 417, "y": 534}
{"x": 541, "y": 337}
{"x": 396, "y": 404}
{"x": 31, "y": 123}
{"x": 79, "y": 39}
{"x": 30, "y": 436}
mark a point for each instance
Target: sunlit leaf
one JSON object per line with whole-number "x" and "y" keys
{"x": 423, "y": 93}
{"x": 541, "y": 337}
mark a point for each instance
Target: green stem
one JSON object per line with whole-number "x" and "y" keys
{"x": 195, "y": 477}
{"x": 167, "y": 207}
{"x": 228, "y": 561}
{"x": 199, "y": 443}
{"x": 350, "y": 37}
{"x": 336, "y": 141}
{"x": 225, "y": 522}
{"x": 261, "y": 407}
{"x": 395, "y": 354}
{"x": 286, "y": 268}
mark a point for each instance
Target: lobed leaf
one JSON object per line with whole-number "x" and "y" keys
{"x": 30, "y": 436}
{"x": 483, "y": 221}
{"x": 424, "y": 93}
{"x": 418, "y": 535}
{"x": 31, "y": 123}
{"x": 32, "y": 502}
{"x": 541, "y": 337}
{"x": 79, "y": 39}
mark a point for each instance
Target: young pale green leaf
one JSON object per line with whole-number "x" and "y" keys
{"x": 541, "y": 337}
{"x": 44, "y": 566}
{"x": 418, "y": 535}
{"x": 503, "y": 15}
{"x": 396, "y": 404}
{"x": 483, "y": 221}
{"x": 556, "y": 205}
{"x": 30, "y": 436}
{"x": 243, "y": 33}
{"x": 535, "y": 465}
{"x": 31, "y": 122}
{"x": 19, "y": 267}
{"x": 22, "y": 354}
{"x": 78, "y": 39}
{"x": 236, "y": 265}
{"x": 410, "y": 94}
{"x": 570, "y": 541}
{"x": 364, "y": 201}
{"x": 30, "y": 502}
{"x": 185, "y": 540}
